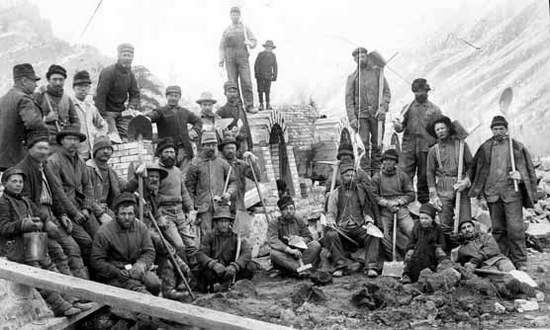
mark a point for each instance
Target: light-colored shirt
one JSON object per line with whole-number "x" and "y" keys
{"x": 91, "y": 124}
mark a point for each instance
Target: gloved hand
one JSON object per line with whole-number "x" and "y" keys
{"x": 80, "y": 218}
{"x": 30, "y": 224}
{"x": 218, "y": 268}
{"x": 225, "y": 197}
{"x": 123, "y": 273}
{"x": 354, "y": 124}
{"x": 66, "y": 223}
{"x": 192, "y": 216}
{"x": 294, "y": 252}
{"x": 52, "y": 229}
{"x": 193, "y": 135}
{"x": 408, "y": 255}
{"x": 230, "y": 272}
{"x": 182, "y": 265}
{"x": 105, "y": 218}
{"x": 470, "y": 266}
{"x": 434, "y": 200}
{"x": 137, "y": 271}
{"x": 248, "y": 155}
{"x": 51, "y": 117}
{"x": 462, "y": 185}
{"x": 515, "y": 175}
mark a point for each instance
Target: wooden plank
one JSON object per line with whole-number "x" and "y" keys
{"x": 129, "y": 300}
{"x": 58, "y": 323}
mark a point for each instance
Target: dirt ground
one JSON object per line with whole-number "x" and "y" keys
{"x": 291, "y": 302}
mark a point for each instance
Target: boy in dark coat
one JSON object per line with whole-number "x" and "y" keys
{"x": 265, "y": 71}
{"x": 217, "y": 255}
{"x": 425, "y": 249}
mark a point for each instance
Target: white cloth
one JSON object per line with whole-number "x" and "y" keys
{"x": 91, "y": 124}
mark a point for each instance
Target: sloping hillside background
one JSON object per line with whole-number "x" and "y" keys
{"x": 26, "y": 37}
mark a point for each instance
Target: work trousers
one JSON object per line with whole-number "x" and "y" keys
{"x": 264, "y": 88}
{"x": 447, "y": 215}
{"x": 288, "y": 263}
{"x": 117, "y": 123}
{"x": 238, "y": 68}
{"x": 148, "y": 284}
{"x": 180, "y": 232}
{"x": 413, "y": 163}
{"x": 405, "y": 225}
{"x": 333, "y": 241}
{"x": 368, "y": 131}
{"x": 508, "y": 230}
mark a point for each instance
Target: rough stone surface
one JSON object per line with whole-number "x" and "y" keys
{"x": 20, "y": 305}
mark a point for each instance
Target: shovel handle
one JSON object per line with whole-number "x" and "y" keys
{"x": 394, "y": 238}
{"x": 459, "y": 177}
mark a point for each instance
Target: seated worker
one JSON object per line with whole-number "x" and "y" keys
{"x": 219, "y": 263}
{"x": 123, "y": 252}
{"x": 284, "y": 256}
{"x": 18, "y": 217}
{"x": 393, "y": 191}
{"x": 153, "y": 174}
{"x": 351, "y": 211}
{"x": 425, "y": 249}
{"x": 480, "y": 250}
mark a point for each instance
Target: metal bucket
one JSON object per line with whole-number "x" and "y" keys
{"x": 36, "y": 246}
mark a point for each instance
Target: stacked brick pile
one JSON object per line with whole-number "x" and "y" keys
{"x": 125, "y": 154}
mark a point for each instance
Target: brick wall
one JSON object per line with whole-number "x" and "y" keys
{"x": 126, "y": 153}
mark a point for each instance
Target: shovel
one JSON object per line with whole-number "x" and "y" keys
{"x": 393, "y": 268}
{"x": 298, "y": 243}
{"x": 139, "y": 128}
{"x": 519, "y": 275}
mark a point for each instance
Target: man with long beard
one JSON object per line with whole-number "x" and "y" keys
{"x": 416, "y": 140}
{"x": 205, "y": 182}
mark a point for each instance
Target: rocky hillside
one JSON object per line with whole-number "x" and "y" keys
{"x": 469, "y": 63}
{"x": 26, "y": 37}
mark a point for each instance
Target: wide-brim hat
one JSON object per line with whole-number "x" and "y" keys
{"x": 153, "y": 166}
{"x": 269, "y": 43}
{"x": 206, "y": 97}
{"x": 466, "y": 221}
{"x": 24, "y": 70}
{"x": 70, "y": 130}
{"x": 442, "y": 119}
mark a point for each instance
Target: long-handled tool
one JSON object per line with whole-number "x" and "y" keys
{"x": 139, "y": 129}
{"x": 393, "y": 268}
{"x": 258, "y": 189}
{"x": 171, "y": 252}
{"x": 504, "y": 103}
{"x": 461, "y": 134}
{"x": 516, "y": 274}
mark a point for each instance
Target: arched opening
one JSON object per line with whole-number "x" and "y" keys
{"x": 279, "y": 158}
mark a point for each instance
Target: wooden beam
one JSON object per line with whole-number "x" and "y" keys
{"x": 185, "y": 314}
{"x": 58, "y": 323}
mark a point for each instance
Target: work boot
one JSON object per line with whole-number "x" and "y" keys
{"x": 261, "y": 107}
{"x": 405, "y": 279}
{"x": 268, "y": 107}
{"x": 251, "y": 110}
{"x": 372, "y": 273}
{"x": 84, "y": 305}
{"x": 59, "y": 306}
{"x": 177, "y": 295}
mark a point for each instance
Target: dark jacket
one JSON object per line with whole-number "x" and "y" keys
{"x": 13, "y": 208}
{"x": 265, "y": 66}
{"x": 205, "y": 179}
{"x": 223, "y": 248}
{"x": 367, "y": 205}
{"x": 481, "y": 249}
{"x": 172, "y": 122}
{"x": 114, "y": 247}
{"x": 524, "y": 164}
{"x": 415, "y": 136}
{"x": 62, "y": 105}
{"x": 424, "y": 242}
{"x": 73, "y": 174}
{"x": 116, "y": 84}
{"x": 18, "y": 116}
{"x": 33, "y": 187}
{"x": 280, "y": 230}
{"x": 99, "y": 182}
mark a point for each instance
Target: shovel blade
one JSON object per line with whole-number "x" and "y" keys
{"x": 393, "y": 269}
{"x": 523, "y": 277}
{"x": 374, "y": 231}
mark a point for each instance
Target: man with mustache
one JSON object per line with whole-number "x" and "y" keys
{"x": 492, "y": 178}
{"x": 174, "y": 201}
{"x": 442, "y": 172}
{"x": 416, "y": 140}
{"x": 19, "y": 116}
{"x": 69, "y": 169}
{"x": 91, "y": 123}
{"x": 241, "y": 170}
{"x": 123, "y": 251}
{"x": 172, "y": 121}
{"x": 362, "y": 90}
{"x": 233, "y": 109}
{"x": 116, "y": 85}
{"x": 57, "y": 107}
{"x": 393, "y": 191}
{"x": 205, "y": 182}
